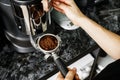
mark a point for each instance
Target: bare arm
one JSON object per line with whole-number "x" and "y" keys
{"x": 107, "y": 40}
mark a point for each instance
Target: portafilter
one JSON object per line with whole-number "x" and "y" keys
{"x": 49, "y": 44}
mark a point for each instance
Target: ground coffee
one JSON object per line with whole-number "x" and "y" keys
{"x": 48, "y": 42}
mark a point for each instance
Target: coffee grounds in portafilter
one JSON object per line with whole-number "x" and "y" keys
{"x": 48, "y": 42}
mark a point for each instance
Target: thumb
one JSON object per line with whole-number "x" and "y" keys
{"x": 70, "y": 75}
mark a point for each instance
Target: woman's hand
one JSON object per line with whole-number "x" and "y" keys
{"x": 69, "y": 8}
{"x": 70, "y": 75}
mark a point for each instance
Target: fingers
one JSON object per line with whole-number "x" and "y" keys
{"x": 55, "y": 5}
{"x": 65, "y": 1}
{"x": 61, "y": 7}
{"x": 60, "y": 10}
{"x": 70, "y": 75}
{"x": 77, "y": 77}
{"x": 60, "y": 77}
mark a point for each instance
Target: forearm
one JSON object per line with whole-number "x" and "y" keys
{"x": 107, "y": 40}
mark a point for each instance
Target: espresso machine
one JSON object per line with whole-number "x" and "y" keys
{"x": 23, "y": 20}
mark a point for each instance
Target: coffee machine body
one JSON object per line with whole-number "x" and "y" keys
{"x": 22, "y": 19}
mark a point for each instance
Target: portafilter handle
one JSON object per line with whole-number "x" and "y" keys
{"x": 60, "y": 64}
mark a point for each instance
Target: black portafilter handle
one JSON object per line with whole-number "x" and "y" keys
{"x": 61, "y": 65}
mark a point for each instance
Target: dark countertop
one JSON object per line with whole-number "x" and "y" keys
{"x": 32, "y": 66}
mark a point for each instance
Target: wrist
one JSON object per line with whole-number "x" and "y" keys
{"x": 81, "y": 19}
